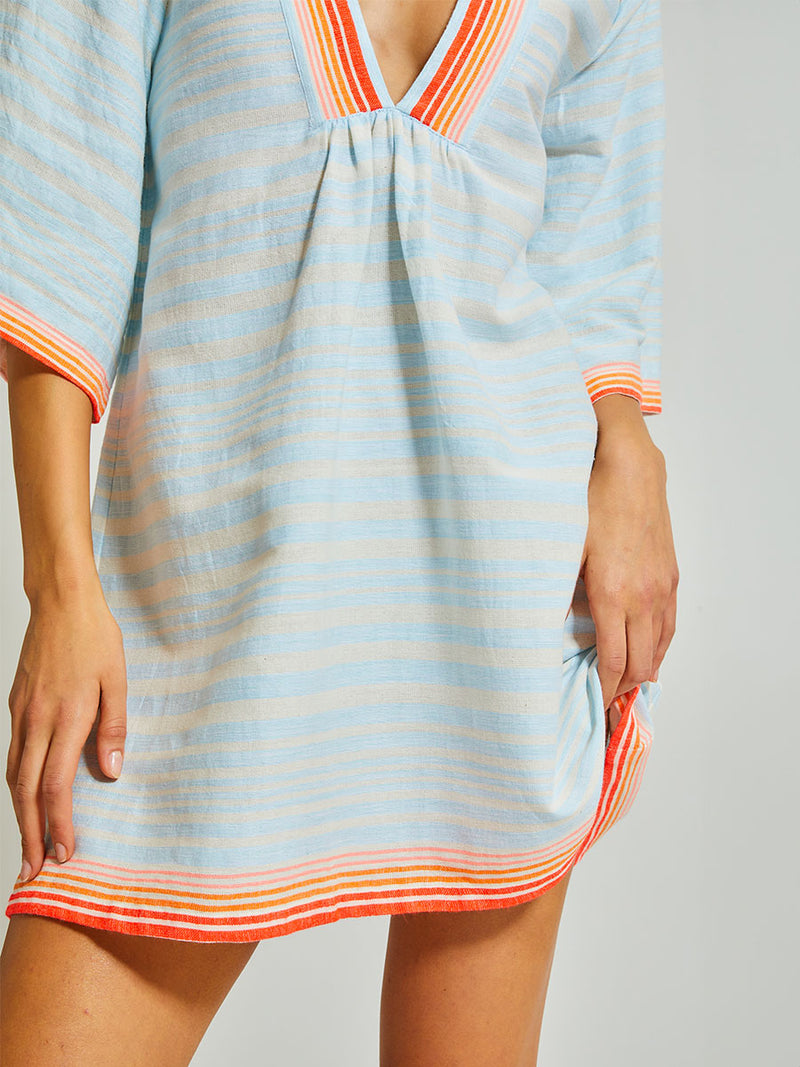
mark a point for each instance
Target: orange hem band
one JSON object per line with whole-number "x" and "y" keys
{"x": 240, "y": 907}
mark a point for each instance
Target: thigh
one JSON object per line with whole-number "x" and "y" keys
{"x": 74, "y": 995}
{"x": 468, "y": 988}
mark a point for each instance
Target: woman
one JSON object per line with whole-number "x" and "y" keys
{"x": 368, "y": 613}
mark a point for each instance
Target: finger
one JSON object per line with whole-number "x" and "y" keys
{"x": 13, "y": 759}
{"x": 57, "y": 780}
{"x": 28, "y": 801}
{"x": 12, "y": 764}
{"x": 613, "y": 715}
{"x": 639, "y": 661}
{"x": 14, "y": 753}
{"x": 658, "y": 626}
{"x": 113, "y": 726}
{"x": 611, "y": 651}
{"x": 667, "y": 632}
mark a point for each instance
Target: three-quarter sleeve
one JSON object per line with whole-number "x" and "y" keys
{"x": 598, "y": 248}
{"x": 74, "y": 80}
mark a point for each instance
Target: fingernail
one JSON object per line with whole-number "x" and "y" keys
{"x": 61, "y": 852}
{"x": 115, "y": 760}
{"x": 24, "y": 872}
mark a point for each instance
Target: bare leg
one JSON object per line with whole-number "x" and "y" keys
{"x": 81, "y": 997}
{"x": 467, "y": 989}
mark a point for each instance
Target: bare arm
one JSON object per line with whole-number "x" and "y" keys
{"x": 629, "y": 566}
{"x": 71, "y": 663}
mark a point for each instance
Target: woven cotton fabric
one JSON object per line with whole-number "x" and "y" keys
{"x": 348, "y": 348}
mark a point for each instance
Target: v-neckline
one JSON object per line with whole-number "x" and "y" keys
{"x": 341, "y": 74}
{"x": 429, "y": 68}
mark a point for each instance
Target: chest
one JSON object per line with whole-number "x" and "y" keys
{"x": 238, "y": 78}
{"x": 403, "y": 34}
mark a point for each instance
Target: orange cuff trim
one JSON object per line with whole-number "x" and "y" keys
{"x": 53, "y": 348}
{"x": 624, "y": 378}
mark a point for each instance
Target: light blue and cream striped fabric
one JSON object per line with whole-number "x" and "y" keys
{"x": 341, "y": 502}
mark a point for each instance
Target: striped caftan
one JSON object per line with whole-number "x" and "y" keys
{"x": 342, "y": 495}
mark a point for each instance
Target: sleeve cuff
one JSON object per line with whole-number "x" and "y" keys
{"x": 52, "y": 347}
{"x": 624, "y": 378}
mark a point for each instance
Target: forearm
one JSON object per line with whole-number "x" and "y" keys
{"x": 616, "y": 410}
{"x": 50, "y": 432}
{"x": 622, "y": 426}
{"x": 628, "y": 564}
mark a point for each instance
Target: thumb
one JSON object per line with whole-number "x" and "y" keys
{"x": 113, "y": 726}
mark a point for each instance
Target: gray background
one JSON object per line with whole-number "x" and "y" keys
{"x": 680, "y": 941}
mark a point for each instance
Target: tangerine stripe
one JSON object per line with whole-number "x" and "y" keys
{"x": 623, "y": 763}
{"x": 651, "y": 402}
{"x": 212, "y": 917}
{"x": 96, "y": 887}
{"x": 486, "y": 71}
{"x": 622, "y": 793}
{"x": 316, "y": 59}
{"x": 448, "y": 68}
{"x": 330, "y": 57}
{"x": 344, "y": 65}
{"x": 50, "y": 346}
{"x": 454, "y": 94}
{"x": 629, "y": 754}
{"x": 612, "y": 779}
{"x": 226, "y": 933}
{"x": 388, "y": 856}
{"x": 623, "y": 377}
{"x": 35, "y": 331}
{"x": 351, "y": 58}
{"x": 287, "y": 905}
{"x": 619, "y": 756}
{"x": 470, "y": 69}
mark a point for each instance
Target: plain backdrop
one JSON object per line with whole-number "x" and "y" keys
{"x": 680, "y": 940}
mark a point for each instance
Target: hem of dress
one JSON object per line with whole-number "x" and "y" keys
{"x": 626, "y": 753}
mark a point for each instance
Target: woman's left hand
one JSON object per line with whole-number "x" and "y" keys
{"x": 628, "y": 566}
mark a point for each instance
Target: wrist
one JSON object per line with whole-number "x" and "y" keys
{"x": 618, "y": 409}
{"x": 619, "y": 415}
{"x": 60, "y": 577}
{"x": 622, "y": 431}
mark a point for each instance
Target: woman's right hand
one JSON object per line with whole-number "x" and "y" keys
{"x": 71, "y": 666}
